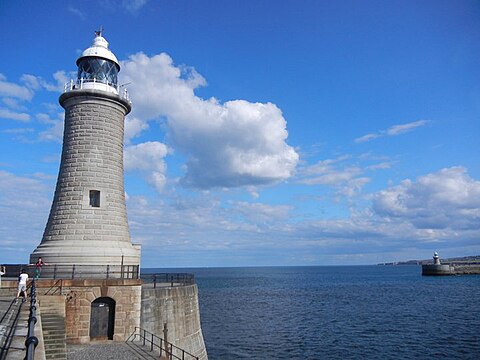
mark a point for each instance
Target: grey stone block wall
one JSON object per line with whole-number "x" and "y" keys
{"x": 92, "y": 160}
{"x": 178, "y": 307}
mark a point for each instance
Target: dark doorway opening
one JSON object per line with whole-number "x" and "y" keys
{"x": 102, "y": 319}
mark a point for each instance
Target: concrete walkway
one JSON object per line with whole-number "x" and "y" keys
{"x": 109, "y": 351}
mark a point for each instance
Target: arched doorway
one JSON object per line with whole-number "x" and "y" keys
{"x": 102, "y": 319}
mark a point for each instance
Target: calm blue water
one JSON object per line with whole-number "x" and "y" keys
{"x": 359, "y": 312}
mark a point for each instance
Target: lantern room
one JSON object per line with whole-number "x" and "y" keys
{"x": 98, "y": 67}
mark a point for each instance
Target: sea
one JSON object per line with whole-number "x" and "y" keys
{"x": 337, "y": 312}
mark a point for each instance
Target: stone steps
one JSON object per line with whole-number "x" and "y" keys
{"x": 53, "y": 325}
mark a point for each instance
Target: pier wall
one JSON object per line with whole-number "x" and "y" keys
{"x": 178, "y": 308}
{"x": 435, "y": 269}
{"x": 79, "y": 295}
{"x": 467, "y": 269}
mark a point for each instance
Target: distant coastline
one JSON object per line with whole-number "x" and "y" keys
{"x": 457, "y": 260}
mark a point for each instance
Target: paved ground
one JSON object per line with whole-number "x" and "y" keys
{"x": 108, "y": 351}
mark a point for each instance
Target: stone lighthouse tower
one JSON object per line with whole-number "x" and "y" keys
{"x": 88, "y": 224}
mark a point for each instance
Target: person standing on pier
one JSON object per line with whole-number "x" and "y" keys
{"x": 2, "y": 272}
{"x": 22, "y": 285}
{"x": 38, "y": 267}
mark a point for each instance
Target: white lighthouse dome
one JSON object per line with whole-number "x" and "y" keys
{"x": 99, "y": 49}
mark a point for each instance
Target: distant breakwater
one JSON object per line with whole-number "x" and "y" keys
{"x": 451, "y": 269}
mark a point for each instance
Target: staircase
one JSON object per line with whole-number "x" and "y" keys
{"x": 52, "y": 308}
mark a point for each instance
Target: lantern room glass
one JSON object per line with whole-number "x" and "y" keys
{"x": 97, "y": 69}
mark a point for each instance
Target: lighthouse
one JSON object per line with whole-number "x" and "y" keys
{"x": 87, "y": 224}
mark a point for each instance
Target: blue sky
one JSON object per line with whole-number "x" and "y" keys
{"x": 262, "y": 132}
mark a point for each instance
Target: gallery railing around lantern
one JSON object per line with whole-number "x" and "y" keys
{"x": 82, "y": 84}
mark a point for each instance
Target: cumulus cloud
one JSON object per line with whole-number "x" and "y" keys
{"x": 148, "y": 157}
{"x": 134, "y": 127}
{"x": 237, "y": 143}
{"x": 447, "y": 199}
{"x": 393, "y": 131}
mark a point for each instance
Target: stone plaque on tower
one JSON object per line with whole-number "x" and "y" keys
{"x": 88, "y": 224}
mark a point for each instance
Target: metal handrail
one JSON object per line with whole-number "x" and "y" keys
{"x": 74, "y": 271}
{"x": 31, "y": 341}
{"x": 58, "y": 285}
{"x": 171, "y": 351}
{"x": 168, "y": 279}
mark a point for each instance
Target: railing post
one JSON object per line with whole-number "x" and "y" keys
{"x": 108, "y": 270}
{"x": 54, "y": 271}
{"x": 73, "y": 271}
{"x": 151, "y": 344}
{"x": 121, "y": 269}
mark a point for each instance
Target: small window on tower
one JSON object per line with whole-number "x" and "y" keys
{"x": 95, "y": 198}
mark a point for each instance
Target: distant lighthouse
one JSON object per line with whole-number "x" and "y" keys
{"x": 88, "y": 224}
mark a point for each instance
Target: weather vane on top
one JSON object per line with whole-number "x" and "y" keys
{"x": 99, "y": 32}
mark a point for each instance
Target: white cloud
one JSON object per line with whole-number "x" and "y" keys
{"x": 134, "y": 127}
{"x": 31, "y": 81}
{"x": 14, "y": 90}
{"x": 203, "y": 224}
{"x": 344, "y": 178}
{"x": 76, "y": 12}
{"x": 14, "y": 104}
{"x": 8, "y": 114}
{"x": 380, "y": 166}
{"x": 237, "y": 143}
{"x": 331, "y": 176}
{"x": 133, "y": 5}
{"x": 19, "y": 130}
{"x": 148, "y": 157}
{"x": 367, "y": 137}
{"x": 402, "y": 129}
{"x": 262, "y": 213}
{"x": 53, "y": 133}
{"x": 24, "y": 204}
{"x": 36, "y": 82}
{"x": 393, "y": 131}
{"x": 449, "y": 198}
{"x": 46, "y": 119}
